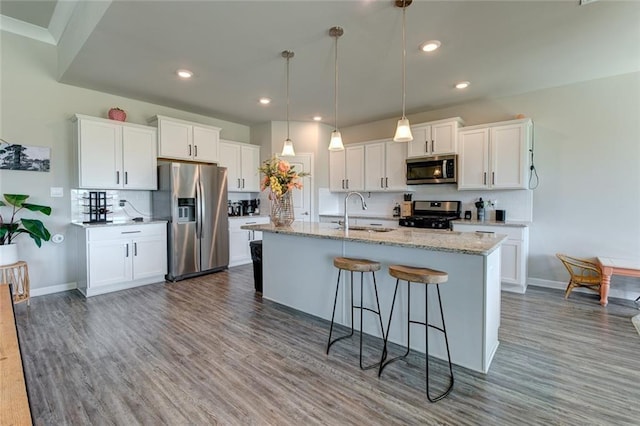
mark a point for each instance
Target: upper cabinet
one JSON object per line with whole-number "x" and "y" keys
{"x": 242, "y": 161}
{"x": 384, "y": 166}
{"x": 346, "y": 169}
{"x": 115, "y": 155}
{"x": 434, "y": 138}
{"x": 184, "y": 140}
{"x": 494, "y": 156}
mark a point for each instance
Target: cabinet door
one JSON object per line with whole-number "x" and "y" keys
{"x": 250, "y": 161}
{"x": 139, "y": 158}
{"x": 205, "y": 144}
{"x": 473, "y": 159}
{"x": 395, "y": 166}
{"x": 109, "y": 262}
{"x": 99, "y": 155}
{"x": 421, "y": 143}
{"x": 354, "y": 168}
{"x": 508, "y": 157}
{"x": 510, "y": 258}
{"x": 374, "y": 167}
{"x": 149, "y": 257}
{"x": 230, "y": 158}
{"x": 336, "y": 171}
{"x": 444, "y": 138}
{"x": 175, "y": 140}
{"x": 239, "y": 252}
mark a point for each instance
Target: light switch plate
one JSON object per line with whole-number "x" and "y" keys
{"x": 57, "y": 192}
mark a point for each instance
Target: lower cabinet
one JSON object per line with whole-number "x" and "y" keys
{"x": 515, "y": 251}
{"x": 121, "y": 256}
{"x": 239, "y": 239}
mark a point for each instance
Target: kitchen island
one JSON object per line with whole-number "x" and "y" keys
{"x": 298, "y": 272}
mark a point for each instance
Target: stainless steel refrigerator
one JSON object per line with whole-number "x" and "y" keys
{"x": 193, "y": 199}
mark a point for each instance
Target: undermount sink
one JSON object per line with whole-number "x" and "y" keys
{"x": 369, "y": 228}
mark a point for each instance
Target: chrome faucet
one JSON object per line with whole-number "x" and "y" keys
{"x": 346, "y": 205}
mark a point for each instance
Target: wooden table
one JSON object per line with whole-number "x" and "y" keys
{"x": 612, "y": 266}
{"x": 14, "y": 402}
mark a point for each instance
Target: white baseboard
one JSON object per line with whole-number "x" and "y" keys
{"x": 35, "y": 292}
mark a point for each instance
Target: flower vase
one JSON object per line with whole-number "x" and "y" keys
{"x": 282, "y": 209}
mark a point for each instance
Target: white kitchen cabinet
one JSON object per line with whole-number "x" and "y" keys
{"x": 514, "y": 252}
{"x": 242, "y": 161}
{"x": 384, "y": 166}
{"x": 434, "y": 138}
{"x": 115, "y": 155}
{"x": 494, "y": 156}
{"x": 184, "y": 140}
{"x": 239, "y": 239}
{"x": 117, "y": 257}
{"x": 346, "y": 169}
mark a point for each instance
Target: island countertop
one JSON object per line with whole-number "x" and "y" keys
{"x": 437, "y": 240}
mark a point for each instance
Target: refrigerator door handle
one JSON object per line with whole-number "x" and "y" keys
{"x": 198, "y": 212}
{"x": 201, "y": 208}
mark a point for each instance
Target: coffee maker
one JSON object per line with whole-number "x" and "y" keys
{"x": 252, "y": 207}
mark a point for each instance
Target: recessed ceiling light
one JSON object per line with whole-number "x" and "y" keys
{"x": 317, "y": 118}
{"x": 264, "y": 101}
{"x": 429, "y": 46}
{"x": 184, "y": 73}
{"x": 462, "y": 85}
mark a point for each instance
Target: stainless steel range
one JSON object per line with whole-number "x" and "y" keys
{"x": 432, "y": 214}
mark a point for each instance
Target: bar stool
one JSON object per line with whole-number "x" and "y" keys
{"x": 427, "y": 276}
{"x": 362, "y": 266}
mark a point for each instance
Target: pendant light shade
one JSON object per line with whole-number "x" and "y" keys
{"x": 287, "y": 148}
{"x": 335, "y": 144}
{"x": 403, "y": 130}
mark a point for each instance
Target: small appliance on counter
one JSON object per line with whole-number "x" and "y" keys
{"x": 432, "y": 214}
{"x": 97, "y": 208}
{"x": 243, "y": 207}
{"x": 501, "y": 215}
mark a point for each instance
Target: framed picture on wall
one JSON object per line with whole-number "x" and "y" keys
{"x": 24, "y": 157}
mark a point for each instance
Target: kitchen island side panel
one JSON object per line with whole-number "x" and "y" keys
{"x": 299, "y": 273}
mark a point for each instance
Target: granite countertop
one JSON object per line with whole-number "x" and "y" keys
{"x": 117, "y": 223}
{"x": 513, "y": 224}
{"x": 436, "y": 240}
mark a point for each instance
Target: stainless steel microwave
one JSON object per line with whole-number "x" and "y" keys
{"x": 426, "y": 170}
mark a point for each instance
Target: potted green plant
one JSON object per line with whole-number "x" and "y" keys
{"x": 11, "y": 226}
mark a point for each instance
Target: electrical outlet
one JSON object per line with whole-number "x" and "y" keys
{"x": 121, "y": 203}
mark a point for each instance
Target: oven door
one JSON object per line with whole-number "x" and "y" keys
{"x": 431, "y": 170}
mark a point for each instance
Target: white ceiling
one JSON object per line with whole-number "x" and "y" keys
{"x": 234, "y": 48}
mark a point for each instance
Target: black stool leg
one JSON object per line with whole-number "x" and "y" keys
{"x": 386, "y": 336}
{"x": 446, "y": 340}
{"x": 362, "y": 309}
{"x": 335, "y": 301}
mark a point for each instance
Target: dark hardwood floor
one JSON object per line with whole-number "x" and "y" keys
{"x": 209, "y": 351}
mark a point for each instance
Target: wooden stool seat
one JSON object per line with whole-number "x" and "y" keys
{"x": 418, "y": 275}
{"x": 356, "y": 265}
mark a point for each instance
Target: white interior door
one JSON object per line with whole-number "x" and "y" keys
{"x": 303, "y": 198}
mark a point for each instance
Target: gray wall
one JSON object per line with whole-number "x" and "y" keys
{"x": 37, "y": 110}
{"x": 587, "y": 152}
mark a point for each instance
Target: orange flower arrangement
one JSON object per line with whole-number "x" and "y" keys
{"x": 279, "y": 176}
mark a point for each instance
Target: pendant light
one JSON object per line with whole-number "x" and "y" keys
{"x": 336, "y": 138}
{"x": 287, "y": 148}
{"x": 403, "y": 131}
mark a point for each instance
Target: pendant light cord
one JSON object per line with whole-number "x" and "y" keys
{"x": 335, "y": 93}
{"x": 288, "y": 58}
{"x": 404, "y": 55}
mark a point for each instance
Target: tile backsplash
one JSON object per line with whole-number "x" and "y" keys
{"x": 137, "y": 204}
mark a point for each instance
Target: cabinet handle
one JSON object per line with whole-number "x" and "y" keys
{"x": 238, "y": 183}
{"x": 493, "y": 178}
{"x": 342, "y": 183}
{"x": 347, "y": 183}
{"x": 432, "y": 149}
{"x": 484, "y": 179}
{"x": 129, "y": 232}
{"x": 253, "y": 235}
{"x": 248, "y": 235}
{"x": 117, "y": 177}
{"x": 195, "y": 147}
{"x": 127, "y": 250}
{"x": 426, "y": 146}
{"x": 386, "y": 182}
{"x": 485, "y": 232}
{"x": 381, "y": 182}
{"x": 135, "y": 249}
{"x": 250, "y": 223}
{"x": 242, "y": 183}
{"x": 126, "y": 178}
{"x": 375, "y": 224}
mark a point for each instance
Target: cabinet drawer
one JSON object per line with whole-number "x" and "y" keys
{"x": 125, "y": 232}
{"x": 512, "y": 233}
{"x": 237, "y": 222}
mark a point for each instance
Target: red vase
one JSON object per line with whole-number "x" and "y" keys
{"x": 117, "y": 114}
